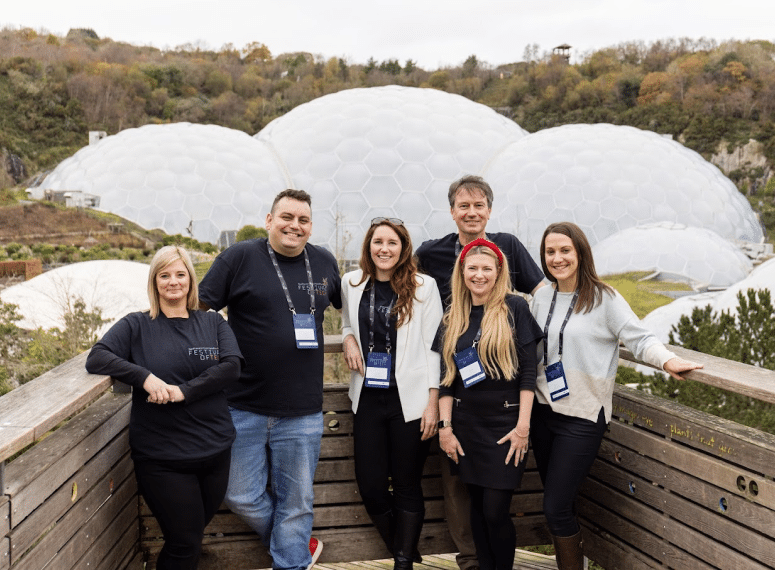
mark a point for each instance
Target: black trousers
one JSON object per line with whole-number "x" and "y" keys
{"x": 388, "y": 451}
{"x": 494, "y": 534}
{"x": 183, "y": 496}
{"x": 564, "y": 448}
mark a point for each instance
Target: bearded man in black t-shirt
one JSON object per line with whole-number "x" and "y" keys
{"x": 276, "y": 290}
{"x": 470, "y": 202}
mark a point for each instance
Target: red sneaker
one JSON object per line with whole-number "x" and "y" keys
{"x": 315, "y": 548}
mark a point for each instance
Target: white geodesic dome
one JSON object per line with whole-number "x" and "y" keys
{"x": 188, "y": 179}
{"x": 393, "y": 151}
{"x": 608, "y": 178}
{"x": 662, "y": 319}
{"x": 385, "y": 151}
{"x": 115, "y": 287}
{"x": 763, "y": 277}
{"x": 696, "y": 255}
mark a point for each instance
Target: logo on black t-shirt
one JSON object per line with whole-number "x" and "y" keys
{"x": 204, "y": 352}
{"x": 319, "y": 288}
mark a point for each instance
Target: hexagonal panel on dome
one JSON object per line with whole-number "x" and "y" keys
{"x": 697, "y": 255}
{"x": 414, "y": 207}
{"x": 168, "y": 165}
{"x": 381, "y": 192}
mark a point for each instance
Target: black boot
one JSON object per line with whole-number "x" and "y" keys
{"x": 408, "y": 529}
{"x": 386, "y": 526}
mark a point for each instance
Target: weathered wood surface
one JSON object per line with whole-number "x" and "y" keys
{"x": 36, "y": 474}
{"x": 71, "y": 500}
{"x": 679, "y": 488}
{"x": 32, "y": 409}
{"x": 523, "y": 560}
{"x": 740, "y": 378}
{"x": 671, "y": 486}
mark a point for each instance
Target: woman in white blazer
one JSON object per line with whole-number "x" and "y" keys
{"x": 389, "y": 319}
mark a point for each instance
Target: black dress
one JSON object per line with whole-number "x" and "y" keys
{"x": 488, "y": 410}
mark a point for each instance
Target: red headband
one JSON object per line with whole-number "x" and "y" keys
{"x": 485, "y": 243}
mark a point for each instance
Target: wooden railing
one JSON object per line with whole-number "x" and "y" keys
{"x": 672, "y": 487}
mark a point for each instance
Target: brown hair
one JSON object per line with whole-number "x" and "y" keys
{"x": 403, "y": 280}
{"x": 589, "y": 285}
{"x": 471, "y": 183}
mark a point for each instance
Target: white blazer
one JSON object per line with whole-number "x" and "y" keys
{"x": 417, "y": 366}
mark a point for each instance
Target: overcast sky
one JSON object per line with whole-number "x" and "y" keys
{"x": 433, "y": 33}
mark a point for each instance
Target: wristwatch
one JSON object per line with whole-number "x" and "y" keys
{"x": 444, "y": 424}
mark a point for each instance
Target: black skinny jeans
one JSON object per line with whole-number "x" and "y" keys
{"x": 387, "y": 447}
{"x": 564, "y": 448}
{"x": 183, "y": 496}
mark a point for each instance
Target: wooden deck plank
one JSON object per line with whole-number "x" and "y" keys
{"x": 73, "y": 491}
{"x": 35, "y": 408}
{"x": 628, "y": 448}
{"x": 723, "y": 439}
{"x": 744, "y": 379}
{"x": 523, "y": 560}
{"x": 685, "y": 483}
{"x": 57, "y": 458}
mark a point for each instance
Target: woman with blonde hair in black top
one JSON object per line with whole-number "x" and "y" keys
{"x": 178, "y": 361}
{"x": 487, "y": 342}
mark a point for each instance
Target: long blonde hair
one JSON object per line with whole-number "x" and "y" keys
{"x": 497, "y": 349}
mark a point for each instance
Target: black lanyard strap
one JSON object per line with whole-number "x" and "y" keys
{"x": 476, "y": 338}
{"x": 372, "y": 303}
{"x": 562, "y": 328}
{"x": 285, "y": 286}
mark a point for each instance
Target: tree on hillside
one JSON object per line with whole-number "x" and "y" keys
{"x": 747, "y": 336}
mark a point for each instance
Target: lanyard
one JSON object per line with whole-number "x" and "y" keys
{"x": 476, "y": 338}
{"x": 562, "y": 328}
{"x": 285, "y": 286}
{"x": 372, "y": 302}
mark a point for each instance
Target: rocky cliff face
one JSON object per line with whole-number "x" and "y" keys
{"x": 13, "y": 166}
{"x": 748, "y": 160}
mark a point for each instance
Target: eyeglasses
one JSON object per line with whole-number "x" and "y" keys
{"x": 396, "y": 221}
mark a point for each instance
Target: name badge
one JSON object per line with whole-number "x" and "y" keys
{"x": 304, "y": 328}
{"x": 555, "y": 380}
{"x": 378, "y": 370}
{"x": 470, "y": 367}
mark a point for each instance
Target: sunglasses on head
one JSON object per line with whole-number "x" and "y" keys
{"x": 395, "y": 221}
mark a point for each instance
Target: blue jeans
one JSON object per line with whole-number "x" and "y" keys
{"x": 285, "y": 452}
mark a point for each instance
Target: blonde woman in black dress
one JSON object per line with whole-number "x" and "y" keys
{"x": 487, "y": 342}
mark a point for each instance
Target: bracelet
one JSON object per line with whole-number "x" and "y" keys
{"x": 521, "y": 435}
